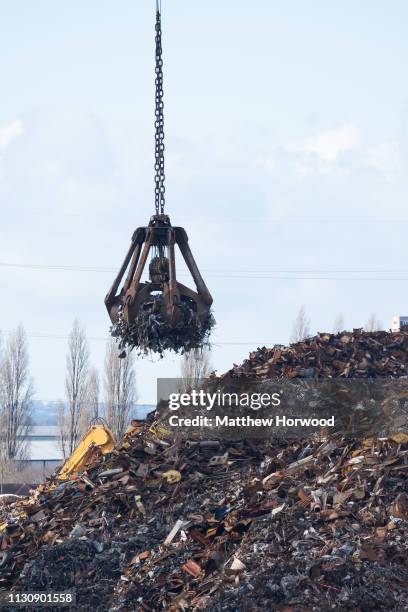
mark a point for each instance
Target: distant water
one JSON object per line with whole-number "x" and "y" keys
{"x": 140, "y": 411}
{"x": 45, "y": 413}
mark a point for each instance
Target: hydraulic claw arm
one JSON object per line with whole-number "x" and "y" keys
{"x": 162, "y": 238}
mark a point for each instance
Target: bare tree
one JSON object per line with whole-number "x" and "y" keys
{"x": 16, "y": 392}
{"x": 93, "y": 394}
{"x": 338, "y": 325}
{"x": 120, "y": 388}
{"x": 195, "y": 366}
{"x": 62, "y": 422}
{"x": 76, "y": 383}
{"x": 90, "y": 408}
{"x": 373, "y": 323}
{"x": 301, "y": 326}
{"x": 6, "y": 464}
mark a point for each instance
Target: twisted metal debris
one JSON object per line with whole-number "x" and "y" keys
{"x": 314, "y": 524}
{"x": 151, "y": 333}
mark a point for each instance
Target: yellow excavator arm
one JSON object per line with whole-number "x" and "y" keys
{"x": 97, "y": 437}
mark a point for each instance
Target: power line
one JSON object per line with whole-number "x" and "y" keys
{"x": 320, "y": 278}
{"x": 247, "y": 274}
{"x": 57, "y": 268}
{"x": 47, "y": 336}
{"x": 213, "y": 219}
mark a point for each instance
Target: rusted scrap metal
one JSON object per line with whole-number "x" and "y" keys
{"x": 307, "y": 524}
{"x": 151, "y": 333}
{"x": 160, "y": 313}
{"x": 9, "y": 498}
{"x": 356, "y": 354}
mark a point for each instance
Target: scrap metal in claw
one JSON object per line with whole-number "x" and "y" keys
{"x": 135, "y": 295}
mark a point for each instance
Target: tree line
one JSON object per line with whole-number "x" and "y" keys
{"x": 89, "y": 394}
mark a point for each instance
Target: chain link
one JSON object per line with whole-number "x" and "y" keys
{"x": 159, "y": 189}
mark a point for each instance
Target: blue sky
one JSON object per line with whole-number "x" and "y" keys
{"x": 287, "y": 150}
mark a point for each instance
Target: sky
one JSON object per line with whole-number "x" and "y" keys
{"x": 286, "y": 161}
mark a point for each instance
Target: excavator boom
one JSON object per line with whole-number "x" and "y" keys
{"x": 98, "y": 437}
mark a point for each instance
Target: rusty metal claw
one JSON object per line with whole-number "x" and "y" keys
{"x": 161, "y": 296}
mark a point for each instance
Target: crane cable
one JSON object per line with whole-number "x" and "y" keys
{"x": 159, "y": 190}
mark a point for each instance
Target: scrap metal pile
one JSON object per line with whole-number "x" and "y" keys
{"x": 169, "y": 523}
{"x": 160, "y": 525}
{"x": 355, "y": 354}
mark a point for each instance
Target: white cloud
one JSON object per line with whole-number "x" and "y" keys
{"x": 335, "y": 152}
{"x": 10, "y": 131}
{"x": 321, "y": 154}
{"x": 329, "y": 144}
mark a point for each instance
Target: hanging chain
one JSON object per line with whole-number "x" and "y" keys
{"x": 159, "y": 189}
